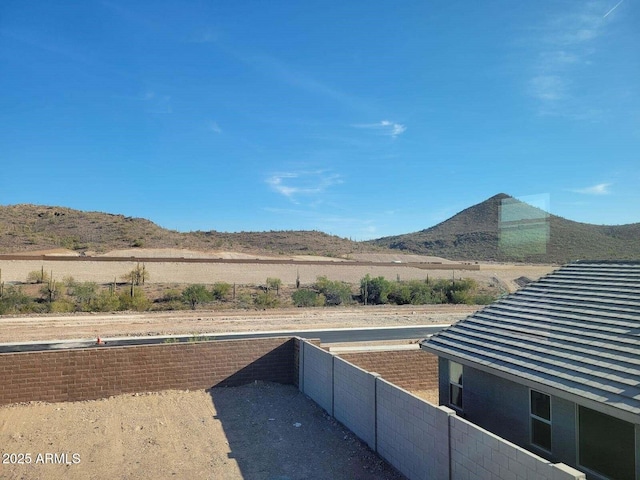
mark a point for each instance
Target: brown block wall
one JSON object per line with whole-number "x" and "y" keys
{"x": 85, "y": 374}
{"x": 409, "y": 369}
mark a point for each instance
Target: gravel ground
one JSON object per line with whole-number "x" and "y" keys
{"x": 258, "y": 431}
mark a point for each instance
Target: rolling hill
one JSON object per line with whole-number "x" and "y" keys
{"x": 498, "y": 229}
{"x": 505, "y": 229}
{"x": 34, "y": 227}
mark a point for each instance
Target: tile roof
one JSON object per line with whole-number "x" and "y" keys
{"x": 576, "y": 330}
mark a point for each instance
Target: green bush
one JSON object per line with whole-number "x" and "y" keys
{"x": 14, "y": 300}
{"x": 138, "y": 302}
{"x": 84, "y": 293}
{"x": 62, "y": 305}
{"x": 335, "y": 292}
{"x": 221, "y": 290}
{"x": 106, "y": 301}
{"x": 375, "y": 291}
{"x": 266, "y": 300}
{"x": 274, "y": 284}
{"x": 171, "y": 295}
{"x": 195, "y": 294}
{"x": 484, "y": 299}
{"x": 307, "y": 298}
{"x": 37, "y": 276}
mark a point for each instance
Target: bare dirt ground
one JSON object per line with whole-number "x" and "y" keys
{"x": 89, "y": 326}
{"x": 256, "y": 274}
{"x": 258, "y": 431}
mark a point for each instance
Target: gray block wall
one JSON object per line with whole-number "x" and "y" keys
{"x": 412, "y": 434}
{"x": 480, "y": 455}
{"x": 419, "y": 439}
{"x": 317, "y": 368}
{"x": 354, "y": 400}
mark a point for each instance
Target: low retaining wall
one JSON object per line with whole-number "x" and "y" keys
{"x": 421, "y": 440}
{"x": 86, "y": 374}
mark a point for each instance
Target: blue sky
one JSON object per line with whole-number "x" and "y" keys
{"x": 360, "y": 119}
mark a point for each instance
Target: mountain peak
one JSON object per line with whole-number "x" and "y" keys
{"x": 503, "y": 228}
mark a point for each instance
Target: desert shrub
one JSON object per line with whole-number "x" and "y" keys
{"x": 171, "y": 295}
{"x": 244, "y": 300}
{"x": 335, "y": 292}
{"x": 307, "y": 298}
{"x": 37, "y": 276}
{"x": 170, "y": 300}
{"x": 460, "y": 297}
{"x": 14, "y": 300}
{"x": 195, "y": 294}
{"x": 421, "y": 293}
{"x": 221, "y": 290}
{"x": 50, "y": 291}
{"x": 401, "y": 294}
{"x": 274, "y": 284}
{"x": 266, "y": 300}
{"x": 106, "y": 301}
{"x": 138, "y": 302}
{"x": 84, "y": 294}
{"x": 375, "y": 290}
{"x": 484, "y": 299}
{"x": 62, "y": 305}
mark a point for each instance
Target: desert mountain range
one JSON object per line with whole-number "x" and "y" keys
{"x": 499, "y": 229}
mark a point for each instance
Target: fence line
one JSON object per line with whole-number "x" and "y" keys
{"x": 421, "y": 440}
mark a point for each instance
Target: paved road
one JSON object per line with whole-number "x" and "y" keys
{"x": 325, "y": 336}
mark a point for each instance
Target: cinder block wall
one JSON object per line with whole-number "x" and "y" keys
{"x": 317, "y": 368}
{"x": 421, "y": 440}
{"x": 85, "y": 374}
{"x": 412, "y": 434}
{"x": 477, "y": 454}
{"x": 409, "y": 369}
{"x": 354, "y": 400}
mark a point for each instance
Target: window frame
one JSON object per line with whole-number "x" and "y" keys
{"x": 457, "y": 384}
{"x": 536, "y": 418}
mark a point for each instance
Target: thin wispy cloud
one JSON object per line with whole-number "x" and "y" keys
{"x": 384, "y": 127}
{"x": 563, "y": 49}
{"x": 308, "y": 184}
{"x": 599, "y": 189}
{"x": 214, "y": 127}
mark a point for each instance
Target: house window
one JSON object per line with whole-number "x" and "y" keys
{"x": 455, "y": 385}
{"x": 606, "y": 445}
{"x": 540, "y": 414}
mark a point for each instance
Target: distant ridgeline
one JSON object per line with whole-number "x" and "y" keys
{"x": 501, "y": 228}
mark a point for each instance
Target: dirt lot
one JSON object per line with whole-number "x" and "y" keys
{"x": 258, "y": 431}
{"x": 87, "y": 326}
{"x": 256, "y": 274}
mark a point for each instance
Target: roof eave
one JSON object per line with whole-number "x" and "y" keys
{"x": 605, "y": 408}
